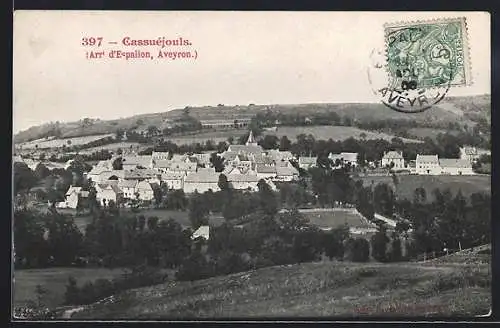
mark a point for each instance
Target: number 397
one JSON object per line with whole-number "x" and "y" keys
{"x": 92, "y": 41}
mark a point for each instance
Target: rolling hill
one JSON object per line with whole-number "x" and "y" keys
{"x": 455, "y": 287}
{"x": 453, "y": 109}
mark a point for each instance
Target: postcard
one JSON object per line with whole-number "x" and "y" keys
{"x": 226, "y": 165}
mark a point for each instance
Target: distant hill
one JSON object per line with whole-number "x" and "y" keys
{"x": 340, "y": 289}
{"x": 463, "y": 109}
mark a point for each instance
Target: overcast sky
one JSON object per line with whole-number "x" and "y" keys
{"x": 243, "y": 57}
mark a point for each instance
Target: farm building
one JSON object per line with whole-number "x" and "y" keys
{"x": 427, "y": 164}
{"x": 73, "y": 197}
{"x": 344, "y": 158}
{"x": 455, "y": 166}
{"x": 201, "y": 182}
{"x": 306, "y": 162}
{"x": 394, "y": 159}
{"x": 174, "y": 180}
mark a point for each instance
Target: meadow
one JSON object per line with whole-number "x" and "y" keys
{"x": 58, "y": 143}
{"x": 326, "y": 132}
{"x": 321, "y": 289}
{"x": 54, "y": 281}
{"x": 332, "y": 218}
{"x": 468, "y": 184}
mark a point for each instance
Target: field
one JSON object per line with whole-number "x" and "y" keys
{"x": 323, "y": 289}
{"x": 54, "y": 280}
{"x": 113, "y": 147}
{"x": 332, "y": 218}
{"x": 421, "y": 133}
{"x": 215, "y": 136}
{"x": 333, "y": 132}
{"x": 57, "y": 143}
{"x": 408, "y": 184}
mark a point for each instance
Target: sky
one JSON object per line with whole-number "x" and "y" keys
{"x": 242, "y": 58}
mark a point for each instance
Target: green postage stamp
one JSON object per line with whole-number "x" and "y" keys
{"x": 427, "y": 54}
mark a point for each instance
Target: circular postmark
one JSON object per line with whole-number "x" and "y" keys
{"x": 416, "y": 70}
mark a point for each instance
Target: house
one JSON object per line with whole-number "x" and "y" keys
{"x": 233, "y": 170}
{"x": 107, "y": 192}
{"x": 307, "y": 162}
{"x": 128, "y": 188}
{"x": 180, "y": 158}
{"x": 202, "y": 232}
{"x": 344, "y": 158}
{"x": 73, "y": 196}
{"x": 472, "y": 153}
{"x": 145, "y": 191}
{"x": 161, "y": 165}
{"x": 149, "y": 175}
{"x": 201, "y": 182}
{"x": 202, "y": 158}
{"x": 111, "y": 175}
{"x": 173, "y": 180}
{"x": 160, "y": 155}
{"x": 133, "y": 162}
{"x": 455, "y": 166}
{"x": 394, "y": 159}
{"x": 280, "y": 156}
{"x": 182, "y": 167}
{"x": 243, "y": 181}
{"x": 95, "y": 173}
{"x": 286, "y": 173}
{"x": 265, "y": 171}
{"x": 427, "y": 164}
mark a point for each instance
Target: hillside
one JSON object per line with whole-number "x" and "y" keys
{"x": 450, "y": 110}
{"x": 324, "y": 289}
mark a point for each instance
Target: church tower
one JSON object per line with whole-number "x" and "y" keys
{"x": 251, "y": 141}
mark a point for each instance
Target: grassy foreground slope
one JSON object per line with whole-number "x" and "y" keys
{"x": 312, "y": 290}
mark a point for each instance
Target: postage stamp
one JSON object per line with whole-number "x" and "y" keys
{"x": 428, "y": 54}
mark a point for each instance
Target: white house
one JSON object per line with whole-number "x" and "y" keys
{"x": 95, "y": 173}
{"x": 107, "y": 192}
{"x": 161, "y": 165}
{"x": 472, "y": 153}
{"x": 243, "y": 181}
{"x": 145, "y": 191}
{"x": 133, "y": 162}
{"x": 201, "y": 182}
{"x": 394, "y": 158}
{"x": 128, "y": 188}
{"x": 455, "y": 166}
{"x": 306, "y": 162}
{"x": 202, "y": 232}
{"x": 427, "y": 164}
{"x": 160, "y": 155}
{"x": 265, "y": 171}
{"x": 286, "y": 173}
{"x": 73, "y": 196}
{"x": 344, "y": 158}
{"x": 174, "y": 180}
{"x": 182, "y": 167}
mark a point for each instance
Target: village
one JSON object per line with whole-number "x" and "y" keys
{"x": 244, "y": 166}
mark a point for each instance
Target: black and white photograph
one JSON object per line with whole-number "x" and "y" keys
{"x": 232, "y": 165}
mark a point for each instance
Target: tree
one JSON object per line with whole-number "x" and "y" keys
{"x": 358, "y": 250}
{"x": 64, "y": 239}
{"x": 29, "y": 243}
{"x": 217, "y": 162}
{"x": 198, "y": 211}
{"x": 152, "y": 223}
{"x": 396, "y": 252}
{"x": 158, "y": 194}
{"x": 285, "y": 144}
{"x": 269, "y": 142}
{"x": 333, "y": 242}
{"x": 268, "y": 202}
{"x": 117, "y": 164}
{"x": 41, "y": 171}
{"x": 24, "y": 178}
{"x": 379, "y": 243}
{"x": 71, "y": 296}
{"x": 223, "y": 183}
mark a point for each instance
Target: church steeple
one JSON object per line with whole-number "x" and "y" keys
{"x": 251, "y": 141}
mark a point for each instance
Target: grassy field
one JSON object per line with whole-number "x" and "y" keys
{"x": 54, "y": 280}
{"x": 323, "y": 289}
{"x": 408, "y": 184}
{"x": 113, "y": 147}
{"x": 333, "y": 132}
{"x": 421, "y": 133}
{"x": 332, "y": 218}
{"x": 215, "y": 136}
{"x": 57, "y": 143}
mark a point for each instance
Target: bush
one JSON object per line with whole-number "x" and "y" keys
{"x": 358, "y": 250}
